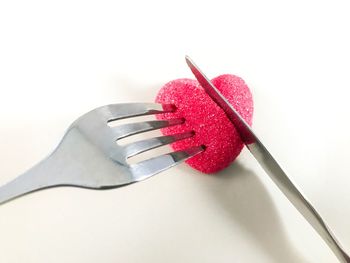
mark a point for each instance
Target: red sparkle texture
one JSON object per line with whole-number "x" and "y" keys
{"x": 210, "y": 124}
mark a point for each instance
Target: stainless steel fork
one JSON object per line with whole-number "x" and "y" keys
{"x": 88, "y": 155}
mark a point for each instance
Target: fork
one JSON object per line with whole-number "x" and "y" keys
{"x": 89, "y": 157}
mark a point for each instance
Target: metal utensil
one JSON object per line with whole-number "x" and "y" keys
{"x": 270, "y": 165}
{"x": 88, "y": 155}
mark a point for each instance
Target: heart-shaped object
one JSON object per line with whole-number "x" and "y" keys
{"x": 210, "y": 124}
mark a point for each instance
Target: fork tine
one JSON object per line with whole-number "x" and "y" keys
{"x": 127, "y": 110}
{"x": 138, "y": 147}
{"x": 126, "y": 130}
{"x": 155, "y": 165}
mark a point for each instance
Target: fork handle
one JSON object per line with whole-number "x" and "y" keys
{"x": 57, "y": 169}
{"x": 34, "y": 179}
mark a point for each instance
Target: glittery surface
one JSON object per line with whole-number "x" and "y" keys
{"x": 211, "y": 126}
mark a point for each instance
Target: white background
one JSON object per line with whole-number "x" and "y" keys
{"x": 59, "y": 59}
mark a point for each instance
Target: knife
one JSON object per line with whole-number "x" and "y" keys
{"x": 270, "y": 165}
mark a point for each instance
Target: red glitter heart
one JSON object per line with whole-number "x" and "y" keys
{"x": 211, "y": 126}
